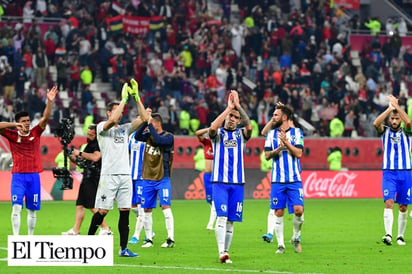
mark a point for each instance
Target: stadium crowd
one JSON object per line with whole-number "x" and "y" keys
{"x": 267, "y": 50}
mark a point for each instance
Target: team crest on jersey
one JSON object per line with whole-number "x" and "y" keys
{"x": 223, "y": 207}
{"x": 237, "y": 134}
{"x": 230, "y": 143}
{"x": 396, "y": 139}
{"x": 119, "y": 139}
{"x": 103, "y": 197}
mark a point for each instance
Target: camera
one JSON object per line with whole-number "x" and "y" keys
{"x": 63, "y": 174}
{"x": 65, "y": 131}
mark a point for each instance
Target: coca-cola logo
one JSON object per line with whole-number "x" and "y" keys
{"x": 340, "y": 185}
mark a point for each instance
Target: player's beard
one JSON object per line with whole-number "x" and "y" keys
{"x": 396, "y": 128}
{"x": 89, "y": 140}
{"x": 278, "y": 124}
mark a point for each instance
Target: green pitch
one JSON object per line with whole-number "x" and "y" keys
{"x": 338, "y": 236}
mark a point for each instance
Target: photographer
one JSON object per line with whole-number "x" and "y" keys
{"x": 90, "y": 161}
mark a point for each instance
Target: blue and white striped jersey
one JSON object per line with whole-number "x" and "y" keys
{"x": 396, "y": 149}
{"x": 228, "y": 163}
{"x": 285, "y": 167}
{"x": 136, "y": 149}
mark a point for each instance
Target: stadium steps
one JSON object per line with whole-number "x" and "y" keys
{"x": 355, "y": 58}
{"x": 103, "y": 94}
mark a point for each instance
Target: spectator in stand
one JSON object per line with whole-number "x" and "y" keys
{"x": 50, "y": 49}
{"x": 187, "y": 60}
{"x": 396, "y": 43}
{"x": 8, "y": 82}
{"x": 75, "y": 76}
{"x": 20, "y": 81}
{"x": 402, "y": 27}
{"x": 28, "y": 63}
{"x": 336, "y": 127}
{"x": 86, "y": 76}
{"x": 85, "y": 49}
{"x": 40, "y": 65}
{"x": 61, "y": 67}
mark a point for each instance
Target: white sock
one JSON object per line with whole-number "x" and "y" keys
{"x": 271, "y": 221}
{"x": 229, "y": 235}
{"x": 388, "y": 220}
{"x": 297, "y": 225}
{"x": 279, "y": 230}
{"x": 402, "y": 220}
{"x": 15, "y": 219}
{"x": 148, "y": 225}
{"x": 139, "y": 222}
{"x": 136, "y": 210}
{"x": 31, "y": 221}
{"x": 220, "y": 232}
{"x": 170, "y": 223}
{"x": 212, "y": 217}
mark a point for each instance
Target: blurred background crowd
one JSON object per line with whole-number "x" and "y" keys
{"x": 268, "y": 51}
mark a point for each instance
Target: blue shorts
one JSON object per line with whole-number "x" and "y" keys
{"x": 208, "y": 187}
{"x": 26, "y": 185}
{"x": 228, "y": 200}
{"x": 397, "y": 185}
{"x": 152, "y": 189}
{"x": 286, "y": 193}
{"x": 137, "y": 192}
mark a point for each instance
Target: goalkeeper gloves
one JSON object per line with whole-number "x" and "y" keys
{"x": 134, "y": 91}
{"x": 125, "y": 93}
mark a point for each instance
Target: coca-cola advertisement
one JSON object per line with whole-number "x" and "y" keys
{"x": 188, "y": 184}
{"x": 343, "y": 184}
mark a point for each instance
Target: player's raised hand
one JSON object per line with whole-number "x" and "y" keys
{"x": 125, "y": 93}
{"x": 235, "y": 98}
{"x": 134, "y": 91}
{"x": 230, "y": 102}
{"x": 393, "y": 102}
{"x": 51, "y": 93}
{"x": 20, "y": 126}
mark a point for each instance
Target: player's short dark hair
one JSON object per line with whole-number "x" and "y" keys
{"x": 21, "y": 114}
{"x": 156, "y": 116}
{"x": 286, "y": 111}
{"x": 92, "y": 127}
{"x": 111, "y": 105}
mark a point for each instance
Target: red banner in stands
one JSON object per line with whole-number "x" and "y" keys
{"x": 358, "y": 41}
{"x": 136, "y": 25}
{"x": 348, "y": 4}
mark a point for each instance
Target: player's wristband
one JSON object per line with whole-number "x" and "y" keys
{"x": 80, "y": 153}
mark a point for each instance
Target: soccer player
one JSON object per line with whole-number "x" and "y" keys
{"x": 396, "y": 167}
{"x": 136, "y": 151}
{"x": 115, "y": 180}
{"x": 90, "y": 160}
{"x": 208, "y": 153}
{"x": 268, "y": 237}
{"x": 228, "y": 175}
{"x": 25, "y": 150}
{"x": 284, "y": 144}
{"x": 157, "y": 169}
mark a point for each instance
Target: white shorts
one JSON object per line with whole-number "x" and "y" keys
{"x": 113, "y": 187}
